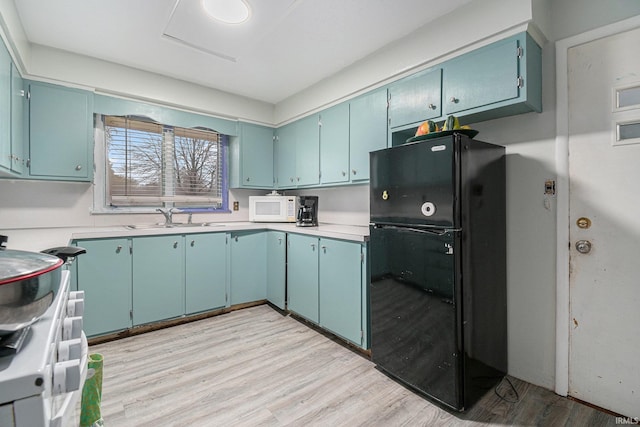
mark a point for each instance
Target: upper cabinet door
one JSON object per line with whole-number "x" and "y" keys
{"x": 483, "y": 77}
{"x": 60, "y": 132}
{"x": 416, "y": 98}
{"x": 334, "y": 144}
{"x": 17, "y": 122}
{"x": 307, "y": 151}
{"x": 367, "y": 131}
{"x": 256, "y": 148}
{"x": 5, "y": 108}
{"x": 285, "y": 157}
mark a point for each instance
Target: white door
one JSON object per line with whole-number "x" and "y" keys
{"x": 604, "y": 221}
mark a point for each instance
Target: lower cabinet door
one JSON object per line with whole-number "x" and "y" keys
{"x": 302, "y": 276}
{"x": 276, "y": 268}
{"x": 341, "y": 289}
{"x": 104, "y": 274}
{"x": 248, "y": 267}
{"x": 158, "y": 277}
{"x": 205, "y": 271}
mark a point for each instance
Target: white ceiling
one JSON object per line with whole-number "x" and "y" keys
{"x": 285, "y": 47}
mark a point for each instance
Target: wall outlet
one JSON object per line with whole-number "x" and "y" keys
{"x": 236, "y": 206}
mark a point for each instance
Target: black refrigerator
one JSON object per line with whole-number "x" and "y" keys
{"x": 438, "y": 301}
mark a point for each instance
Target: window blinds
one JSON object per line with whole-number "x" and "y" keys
{"x": 153, "y": 165}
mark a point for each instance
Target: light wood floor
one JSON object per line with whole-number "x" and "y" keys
{"x": 256, "y": 367}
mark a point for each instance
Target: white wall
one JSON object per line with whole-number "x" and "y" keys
{"x": 47, "y": 204}
{"x": 107, "y": 77}
{"x": 341, "y": 205}
{"x": 571, "y": 17}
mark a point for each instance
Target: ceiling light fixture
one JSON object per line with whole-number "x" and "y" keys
{"x": 227, "y": 11}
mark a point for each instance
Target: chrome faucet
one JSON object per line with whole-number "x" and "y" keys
{"x": 168, "y": 214}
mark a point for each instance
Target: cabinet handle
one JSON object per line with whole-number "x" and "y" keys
{"x": 236, "y": 238}
{"x": 280, "y": 240}
{"x": 431, "y": 106}
{"x": 454, "y": 100}
{"x": 313, "y": 246}
{"x": 344, "y": 173}
{"x": 298, "y": 179}
{"x": 118, "y": 249}
{"x": 175, "y": 245}
{"x": 248, "y": 179}
{"x": 353, "y": 171}
{"x": 78, "y": 167}
{"x": 324, "y": 249}
{"x": 291, "y": 179}
{"x": 193, "y": 243}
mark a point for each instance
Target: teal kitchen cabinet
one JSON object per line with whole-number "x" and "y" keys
{"x": 248, "y": 269}
{"x": 5, "y": 108}
{"x": 502, "y": 76}
{"x": 252, "y": 157}
{"x": 302, "y": 276}
{"x": 60, "y": 133}
{"x": 276, "y": 268}
{"x": 104, "y": 274}
{"x": 18, "y": 100}
{"x": 416, "y": 98}
{"x": 343, "y": 287}
{"x": 367, "y": 131}
{"x": 327, "y": 284}
{"x": 334, "y": 144}
{"x": 158, "y": 278}
{"x": 297, "y": 152}
{"x": 285, "y": 156}
{"x": 205, "y": 271}
{"x": 307, "y": 131}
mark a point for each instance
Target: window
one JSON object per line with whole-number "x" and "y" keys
{"x": 153, "y": 165}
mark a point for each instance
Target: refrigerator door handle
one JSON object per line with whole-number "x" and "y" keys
{"x": 436, "y": 232}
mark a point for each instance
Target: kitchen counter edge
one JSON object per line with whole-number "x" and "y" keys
{"x": 336, "y": 231}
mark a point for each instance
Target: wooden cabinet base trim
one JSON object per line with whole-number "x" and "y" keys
{"x": 333, "y": 337}
{"x": 137, "y": 330}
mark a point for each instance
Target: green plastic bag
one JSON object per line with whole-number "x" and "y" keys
{"x": 92, "y": 393}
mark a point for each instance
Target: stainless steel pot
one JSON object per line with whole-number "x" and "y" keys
{"x": 29, "y": 282}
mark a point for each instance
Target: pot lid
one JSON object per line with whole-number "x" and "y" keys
{"x": 21, "y": 265}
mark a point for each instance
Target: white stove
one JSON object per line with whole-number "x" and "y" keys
{"x": 41, "y": 384}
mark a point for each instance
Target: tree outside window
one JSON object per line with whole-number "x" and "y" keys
{"x": 154, "y": 165}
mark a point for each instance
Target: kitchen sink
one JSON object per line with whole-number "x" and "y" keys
{"x": 174, "y": 225}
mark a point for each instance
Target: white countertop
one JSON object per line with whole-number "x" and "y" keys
{"x": 37, "y": 239}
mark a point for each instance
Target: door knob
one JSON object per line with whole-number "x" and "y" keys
{"x": 583, "y": 246}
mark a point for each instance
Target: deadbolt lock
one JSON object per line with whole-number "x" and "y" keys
{"x": 583, "y": 223}
{"x": 583, "y": 246}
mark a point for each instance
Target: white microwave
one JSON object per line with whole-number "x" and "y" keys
{"x": 273, "y": 208}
